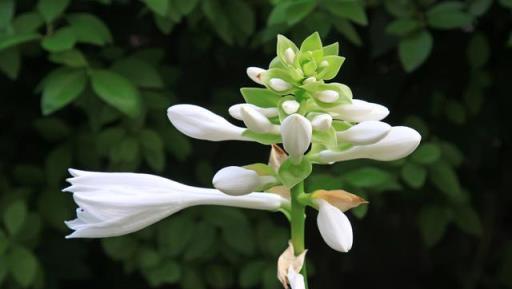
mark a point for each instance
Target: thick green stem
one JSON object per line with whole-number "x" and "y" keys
{"x": 298, "y": 215}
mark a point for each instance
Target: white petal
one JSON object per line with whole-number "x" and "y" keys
{"x": 256, "y": 121}
{"x": 359, "y": 110}
{"x": 322, "y": 122}
{"x": 398, "y": 143}
{"x": 309, "y": 80}
{"x": 234, "y": 110}
{"x": 278, "y": 84}
{"x": 327, "y": 96}
{"x": 255, "y": 73}
{"x": 295, "y": 279}
{"x": 289, "y": 55}
{"x": 197, "y": 122}
{"x": 114, "y": 204}
{"x": 366, "y": 132}
{"x": 238, "y": 181}
{"x": 296, "y": 133}
{"x": 290, "y": 106}
{"x": 334, "y": 227}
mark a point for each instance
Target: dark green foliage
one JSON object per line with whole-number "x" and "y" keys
{"x": 86, "y": 84}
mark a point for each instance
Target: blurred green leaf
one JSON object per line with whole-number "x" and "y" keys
{"x": 22, "y": 265}
{"x": 478, "y": 51}
{"x": 14, "y": 216}
{"x": 158, "y": 6}
{"x": 71, "y": 58}
{"x": 297, "y": 10}
{"x": 62, "y": 39}
{"x": 167, "y": 273}
{"x": 414, "y": 175}
{"x": 368, "y": 177}
{"x": 215, "y": 13}
{"x": 219, "y": 276}
{"x": 176, "y": 233}
{"x": 120, "y": 248}
{"x": 7, "y": 8}
{"x": 52, "y": 9}
{"x": 415, "y": 49}
{"x": 251, "y": 274}
{"x": 348, "y": 30}
{"x": 61, "y": 89}
{"x": 202, "y": 242}
{"x": 27, "y": 22}
{"x": 445, "y": 179}
{"x": 4, "y": 242}
{"x": 148, "y": 258}
{"x": 455, "y": 111}
{"x": 403, "y": 26}
{"x": 448, "y": 15}
{"x": 185, "y": 6}
{"x": 7, "y": 41}
{"x": 479, "y": 7}
{"x": 138, "y": 72}
{"x": 426, "y": 153}
{"x": 116, "y": 90}
{"x": 89, "y": 29}
{"x": 506, "y": 3}
{"x": 191, "y": 279}
{"x": 152, "y": 149}
{"x": 10, "y": 62}
{"x": 350, "y": 9}
{"x": 56, "y": 164}
{"x": 451, "y": 154}
{"x": 467, "y": 220}
{"x": 433, "y": 221}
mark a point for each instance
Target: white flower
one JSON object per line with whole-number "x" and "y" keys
{"x": 255, "y": 74}
{"x": 289, "y": 266}
{"x": 334, "y": 227}
{"x": 238, "y": 181}
{"x": 296, "y": 133}
{"x": 114, "y": 204}
{"x": 359, "y": 111}
{"x": 322, "y": 122}
{"x": 256, "y": 121}
{"x": 234, "y": 110}
{"x": 327, "y": 96}
{"x": 366, "y": 132}
{"x": 278, "y": 84}
{"x": 200, "y": 123}
{"x": 290, "y": 106}
{"x": 398, "y": 143}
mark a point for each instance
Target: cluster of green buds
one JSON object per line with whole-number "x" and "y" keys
{"x": 316, "y": 122}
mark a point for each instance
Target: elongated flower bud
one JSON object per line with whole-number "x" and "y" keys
{"x": 366, "y": 132}
{"x": 289, "y": 55}
{"x": 296, "y": 133}
{"x": 290, "y": 106}
{"x": 238, "y": 181}
{"x": 334, "y": 227}
{"x": 309, "y": 80}
{"x": 322, "y": 122}
{"x": 327, "y": 96}
{"x": 278, "y": 84}
{"x": 398, "y": 143}
{"x": 255, "y": 74}
{"x": 359, "y": 111}
{"x": 200, "y": 123}
{"x": 256, "y": 121}
{"x": 234, "y": 110}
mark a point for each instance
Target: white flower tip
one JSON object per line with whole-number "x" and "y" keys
{"x": 290, "y": 106}
{"x": 327, "y": 96}
{"x": 322, "y": 122}
{"x": 278, "y": 84}
{"x": 366, "y": 132}
{"x": 236, "y": 181}
{"x": 289, "y": 55}
{"x": 255, "y": 120}
{"x": 324, "y": 63}
{"x": 255, "y": 74}
{"x": 334, "y": 227}
{"x": 296, "y": 133}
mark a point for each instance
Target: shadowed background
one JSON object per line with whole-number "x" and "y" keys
{"x": 86, "y": 84}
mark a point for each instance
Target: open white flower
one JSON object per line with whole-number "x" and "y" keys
{"x": 296, "y": 132}
{"x": 359, "y": 111}
{"x": 114, "y": 204}
{"x": 197, "y": 122}
{"x": 399, "y": 142}
{"x": 238, "y": 181}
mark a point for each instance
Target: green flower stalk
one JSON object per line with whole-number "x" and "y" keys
{"x": 315, "y": 121}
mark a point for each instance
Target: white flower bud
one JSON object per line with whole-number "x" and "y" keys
{"x": 334, "y": 227}
{"x": 296, "y": 133}
{"x": 309, "y": 80}
{"x": 289, "y": 55}
{"x": 327, "y": 96}
{"x": 256, "y": 121}
{"x": 290, "y": 106}
{"x": 234, "y": 110}
{"x": 359, "y": 111}
{"x": 324, "y": 63}
{"x": 322, "y": 122}
{"x": 366, "y": 132}
{"x": 255, "y": 74}
{"x": 278, "y": 84}
{"x": 238, "y": 181}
